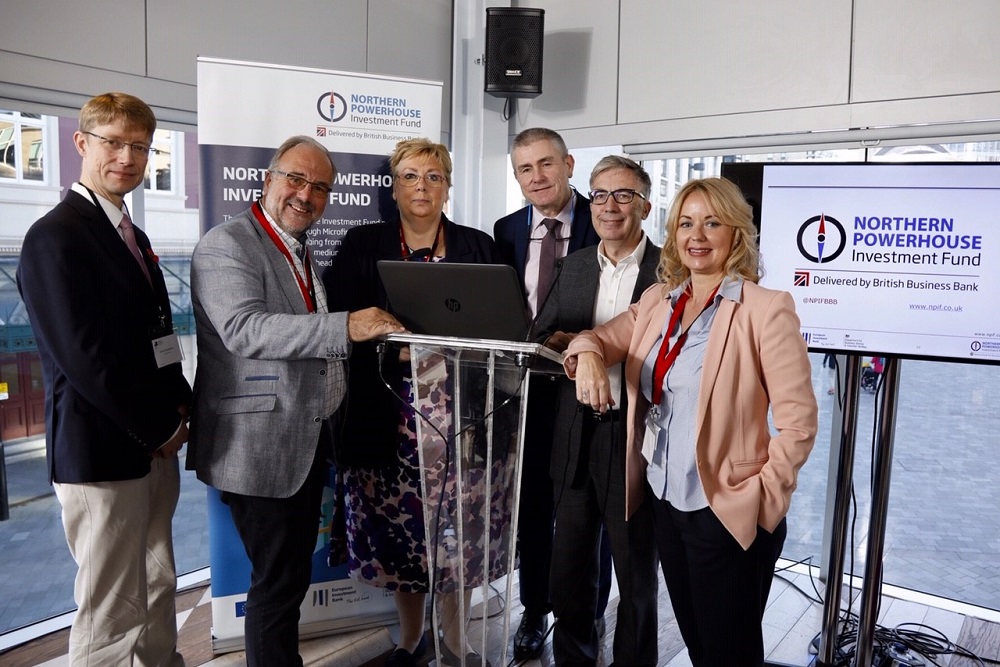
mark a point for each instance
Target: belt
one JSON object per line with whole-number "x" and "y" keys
{"x": 608, "y": 416}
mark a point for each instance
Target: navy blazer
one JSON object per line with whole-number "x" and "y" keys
{"x": 368, "y": 430}
{"x": 512, "y": 234}
{"x": 94, "y": 315}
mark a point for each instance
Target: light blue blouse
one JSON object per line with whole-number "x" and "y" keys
{"x": 673, "y": 470}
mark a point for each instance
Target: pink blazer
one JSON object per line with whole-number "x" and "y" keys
{"x": 755, "y": 358}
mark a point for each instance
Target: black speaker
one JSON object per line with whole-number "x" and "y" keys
{"x": 514, "y": 51}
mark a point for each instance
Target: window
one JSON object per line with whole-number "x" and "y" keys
{"x": 22, "y": 147}
{"x": 159, "y": 171}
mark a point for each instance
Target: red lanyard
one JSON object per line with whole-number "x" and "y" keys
{"x": 666, "y": 356}
{"x": 307, "y": 290}
{"x": 404, "y": 249}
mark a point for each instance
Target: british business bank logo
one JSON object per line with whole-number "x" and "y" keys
{"x": 331, "y": 106}
{"x": 821, "y": 239}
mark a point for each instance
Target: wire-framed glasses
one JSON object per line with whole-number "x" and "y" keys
{"x": 116, "y": 146}
{"x": 298, "y": 182}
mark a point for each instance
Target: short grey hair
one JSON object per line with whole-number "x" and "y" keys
{"x": 298, "y": 140}
{"x": 621, "y": 162}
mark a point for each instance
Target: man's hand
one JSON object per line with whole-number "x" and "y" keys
{"x": 371, "y": 323}
{"x": 559, "y": 341}
{"x": 172, "y": 446}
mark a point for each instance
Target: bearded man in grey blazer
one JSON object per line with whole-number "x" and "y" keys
{"x": 588, "y": 448}
{"x": 270, "y": 374}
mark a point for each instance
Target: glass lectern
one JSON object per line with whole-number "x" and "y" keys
{"x": 471, "y": 399}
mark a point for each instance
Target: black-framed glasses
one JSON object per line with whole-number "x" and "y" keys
{"x": 298, "y": 182}
{"x": 410, "y": 179}
{"x": 623, "y": 196}
{"x": 116, "y": 146}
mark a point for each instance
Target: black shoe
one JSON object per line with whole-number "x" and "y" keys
{"x": 530, "y": 635}
{"x": 403, "y": 658}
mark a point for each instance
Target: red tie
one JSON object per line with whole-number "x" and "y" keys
{"x": 128, "y": 233}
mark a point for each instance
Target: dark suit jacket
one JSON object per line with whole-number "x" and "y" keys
{"x": 368, "y": 430}
{"x": 107, "y": 405}
{"x": 512, "y": 234}
{"x": 570, "y": 308}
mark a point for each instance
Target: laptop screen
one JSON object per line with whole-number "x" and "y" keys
{"x": 460, "y": 300}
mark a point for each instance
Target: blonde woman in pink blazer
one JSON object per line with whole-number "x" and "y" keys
{"x": 707, "y": 353}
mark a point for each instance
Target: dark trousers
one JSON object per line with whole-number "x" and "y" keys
{"x": 596, "y": 498}
{"x": 534, "y": 521}
{"x": 718, "y": 590}
{"x": 279, "y": 535}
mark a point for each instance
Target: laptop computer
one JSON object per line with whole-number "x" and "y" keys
{"x": 460, "y": 300}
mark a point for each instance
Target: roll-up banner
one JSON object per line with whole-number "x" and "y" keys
{"x": 245, "y": 111}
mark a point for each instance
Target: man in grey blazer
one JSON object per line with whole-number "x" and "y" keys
{"x": 588, "y": 448}
{"x": 270, "y": 374}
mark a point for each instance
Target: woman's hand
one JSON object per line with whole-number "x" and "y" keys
{"x": 592, "y": 386}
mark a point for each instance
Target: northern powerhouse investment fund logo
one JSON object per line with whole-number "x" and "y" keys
{"x": 331, "y": 106}
{"x": 821, "y": 239}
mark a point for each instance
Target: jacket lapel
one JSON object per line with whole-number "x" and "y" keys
{"x": 279, "y": 267}
{"x": 713, "y": 357}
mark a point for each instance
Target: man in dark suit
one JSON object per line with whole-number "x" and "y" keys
{"x": 588, "y": 458}
{"x": 116, "y": 401}
{"x": 543, "y": 167}
{"x": 270, "y": 374}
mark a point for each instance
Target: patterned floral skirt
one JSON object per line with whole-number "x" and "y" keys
{"x": 386, "y": 534}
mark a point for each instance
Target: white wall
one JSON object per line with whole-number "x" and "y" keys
{"x": 655, "y": 71}
{"x": 55, "y": 55}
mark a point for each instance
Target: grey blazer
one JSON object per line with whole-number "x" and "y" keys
{"x": 262, "y": 364}
{"x": 571, "y": 309}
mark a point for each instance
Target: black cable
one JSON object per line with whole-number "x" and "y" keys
{"x": 926, "y": 642}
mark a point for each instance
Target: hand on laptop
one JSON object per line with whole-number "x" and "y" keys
{"x": 371, "y": 323}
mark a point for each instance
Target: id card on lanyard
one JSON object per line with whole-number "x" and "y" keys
{"x": 664, "y": 360}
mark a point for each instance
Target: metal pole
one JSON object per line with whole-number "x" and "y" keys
{"x": 871, "y": 589}
{"x": 4, "y": 502}
{"x": 842, "y": 504}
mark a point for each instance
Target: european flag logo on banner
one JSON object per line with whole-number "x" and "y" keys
{"x": 801, "y": 279}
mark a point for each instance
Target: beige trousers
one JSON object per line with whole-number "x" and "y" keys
{"x": 119, "y": 534}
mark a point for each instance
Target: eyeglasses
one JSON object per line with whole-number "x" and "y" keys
{"x": 116, "y": 146}
{"x": 623, "y": 196}
{"x": 410, "y": 180}
{"x": 298, "y": 182}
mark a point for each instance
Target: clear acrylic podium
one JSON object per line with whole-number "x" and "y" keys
{"x": 471, "y": 399}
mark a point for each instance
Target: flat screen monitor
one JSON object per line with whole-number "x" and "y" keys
{"x": 883, "y": 259}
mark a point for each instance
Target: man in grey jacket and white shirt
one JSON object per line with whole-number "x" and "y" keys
{"x": 270, "y": 374}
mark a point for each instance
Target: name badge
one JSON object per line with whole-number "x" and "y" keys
{"x": 167, "y": 350}
{"x": 652, "y": 434}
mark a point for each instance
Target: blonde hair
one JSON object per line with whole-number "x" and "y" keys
{"x": 424, "y": 149}
{"x": 733, "y": 211}
{"x": 109, "y": 108}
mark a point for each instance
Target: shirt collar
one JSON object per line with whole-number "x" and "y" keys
{"x": 635, "y": 256}
{"x": 290, "y": 241}
{"x": 731, "y": 288}
{"x": 114, "y": 213}
{"x": 565, "y": 216}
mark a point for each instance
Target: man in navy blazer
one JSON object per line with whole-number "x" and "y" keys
{"x": 116, "y": 401}
{"x": 543, "y": 167}
{"x": 270, "y": 375}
